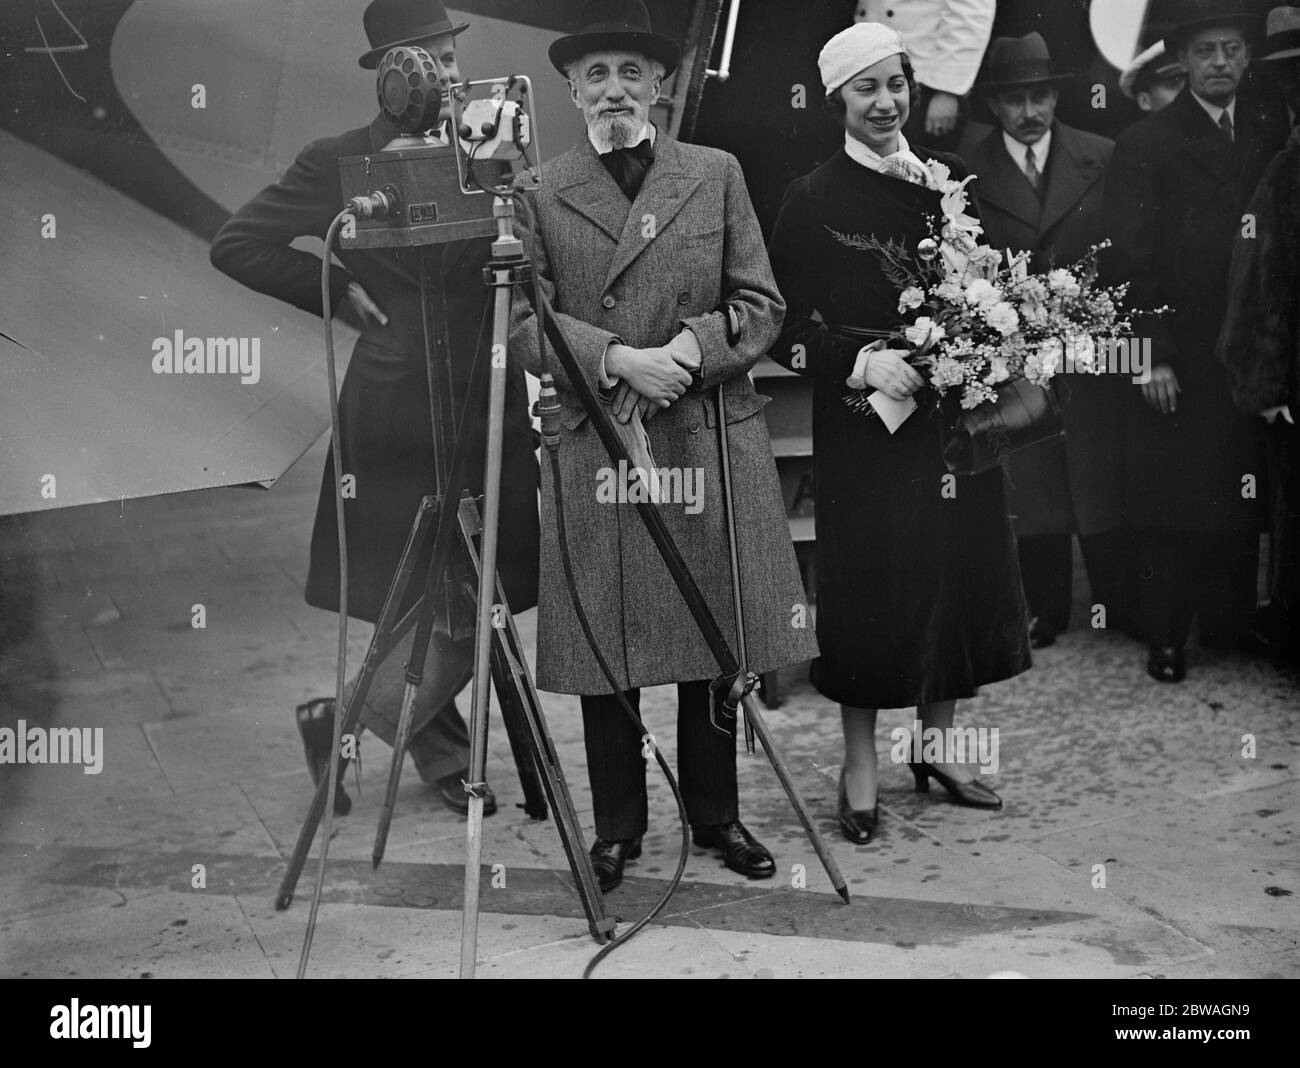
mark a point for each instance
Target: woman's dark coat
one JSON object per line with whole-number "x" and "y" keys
{"x": 918, "y": 590}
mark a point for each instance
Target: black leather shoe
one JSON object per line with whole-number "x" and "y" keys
{"x": 316, "y": 725}
{"x": 973, "y": 794}
{"x": 741, "y": 851}
{"x": 858, "y": 825}
{"x": 451, "y": 792}
{"x": 1165, "y": 663}
{"x": 608, "y": 858}
{"x": 1041, "y": 633}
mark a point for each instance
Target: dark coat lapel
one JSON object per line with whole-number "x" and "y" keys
{"x": 1071, "y": 172}
{"x": 1002, "y": 184}
{"x": 1205, "y": 146}
{"x": 665, "y": 191}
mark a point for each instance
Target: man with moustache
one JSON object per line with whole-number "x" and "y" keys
{"x": 385, "y": 431}
{"x": 652, "y": 257}
{"x": 1040, "y": 189}
{"x": 1178, "y": 187}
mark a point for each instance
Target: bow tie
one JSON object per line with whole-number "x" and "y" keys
{"x": 627, "y": 166}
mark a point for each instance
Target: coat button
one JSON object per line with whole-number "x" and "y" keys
{"x": 684, "y": 297}
{"x": 889, "y": 14}
{"x": 608, "y": 300}
{"x": 694, "y": 428}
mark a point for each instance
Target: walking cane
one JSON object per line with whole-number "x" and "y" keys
{"x": 744, "y": 682}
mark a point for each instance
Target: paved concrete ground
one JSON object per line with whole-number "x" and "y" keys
{"x": 1104, "y": 773}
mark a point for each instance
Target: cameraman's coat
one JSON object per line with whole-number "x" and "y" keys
{"x": 638, "y": 272}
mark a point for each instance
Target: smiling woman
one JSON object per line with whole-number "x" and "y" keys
{"x": 918, "y": 594}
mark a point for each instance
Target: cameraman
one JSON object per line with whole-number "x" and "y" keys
{"x": 385, "y": 433}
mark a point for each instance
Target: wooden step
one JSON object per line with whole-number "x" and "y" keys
{"x": 792, "y": 445}
{"x": 803, "y": 528}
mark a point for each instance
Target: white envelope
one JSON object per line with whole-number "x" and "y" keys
{"x": 893, "y": 413}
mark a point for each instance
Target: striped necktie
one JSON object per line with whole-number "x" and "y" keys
{"x": 1032, "y": 172}
{"x": 1225, "y": 124}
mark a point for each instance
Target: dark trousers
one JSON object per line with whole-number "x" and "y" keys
{"x": 1047, "y": 572}
{"x": 706, "y": 763}
{"x": 1209, "y": 575}
{"x": 1111, "y": 561}
{"x": 439, "y": 741}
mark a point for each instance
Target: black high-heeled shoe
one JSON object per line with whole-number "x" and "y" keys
{"x": 316, "y": 725}
{"x": 858, "y": 825}
{"x": 973, "y": 794}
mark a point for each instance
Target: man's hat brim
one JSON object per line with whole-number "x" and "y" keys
{"x": 371, "y": 59}
{"x": 1178, "y": 34}
{"x": 1016, "y": 83}
{"x": 565, "y": 50}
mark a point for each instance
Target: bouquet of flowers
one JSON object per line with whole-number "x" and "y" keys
{"x": 979, "y": 319}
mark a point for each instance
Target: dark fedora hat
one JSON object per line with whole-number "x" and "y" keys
{"x": 390, "y": 23}
{"x": 615, "y": 26}
{"x": 1283, "y": 35}
{"x": 1182, "y": 19}
{"x": 1012, "y": 61}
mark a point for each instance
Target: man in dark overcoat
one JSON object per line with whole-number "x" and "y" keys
{"x": 1260, "y": 343}
{"x": 1176, "y": 194}
{"x": 385, "y": 425}
{"x": 652, "y": 256}
{"x": 1040, "y": 189}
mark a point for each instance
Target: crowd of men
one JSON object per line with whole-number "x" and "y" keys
{"x": 1167, "y": 482}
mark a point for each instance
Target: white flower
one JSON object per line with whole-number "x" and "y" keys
{"x": 939, "y": 171}
{"x": 1045, "y": 362}
{"x": 975, "y": 394}
{"x": 923, "y": 331}
{"x": 949, "y": 290}
{"x": 1063, "y": 283}
{"x": 982, "y": 293}
{"x": 911, "y": 297}
{"x": 1018, "y": 264}
{"x": 1080, "y": 352}
{"x": 947, "y": 372}
{"x": 998, "y": 371}
{"x": 1003, "y": 318}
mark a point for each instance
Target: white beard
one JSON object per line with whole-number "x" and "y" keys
{"x": 610, "y": 132}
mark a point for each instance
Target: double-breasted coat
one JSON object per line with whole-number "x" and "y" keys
{"x": 639, "y": 272}
{"x": 1077, "y": 484}
{"x": 385, "y": 431}
{"x": 1176, "y": 199}
{"x": 919, "y": 596}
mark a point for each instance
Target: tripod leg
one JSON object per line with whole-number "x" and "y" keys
{"x": 400, "y": 741}
{"x": 388, "y": 631}
{"x": 508, "y": 652}
{"x": 796, "y": 800}
{"x": 513, "y": 716}
{"x": 487, "y": 586}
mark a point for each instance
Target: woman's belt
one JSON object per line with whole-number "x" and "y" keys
{"x": 862, "y": 333}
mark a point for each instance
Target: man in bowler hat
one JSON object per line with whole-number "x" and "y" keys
{"x": 650, "y": 252}
{"x": 385, "y": 430}
{"x": 1040, "y": 189}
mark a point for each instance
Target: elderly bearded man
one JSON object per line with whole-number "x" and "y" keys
{"x": 652, "y": 257}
